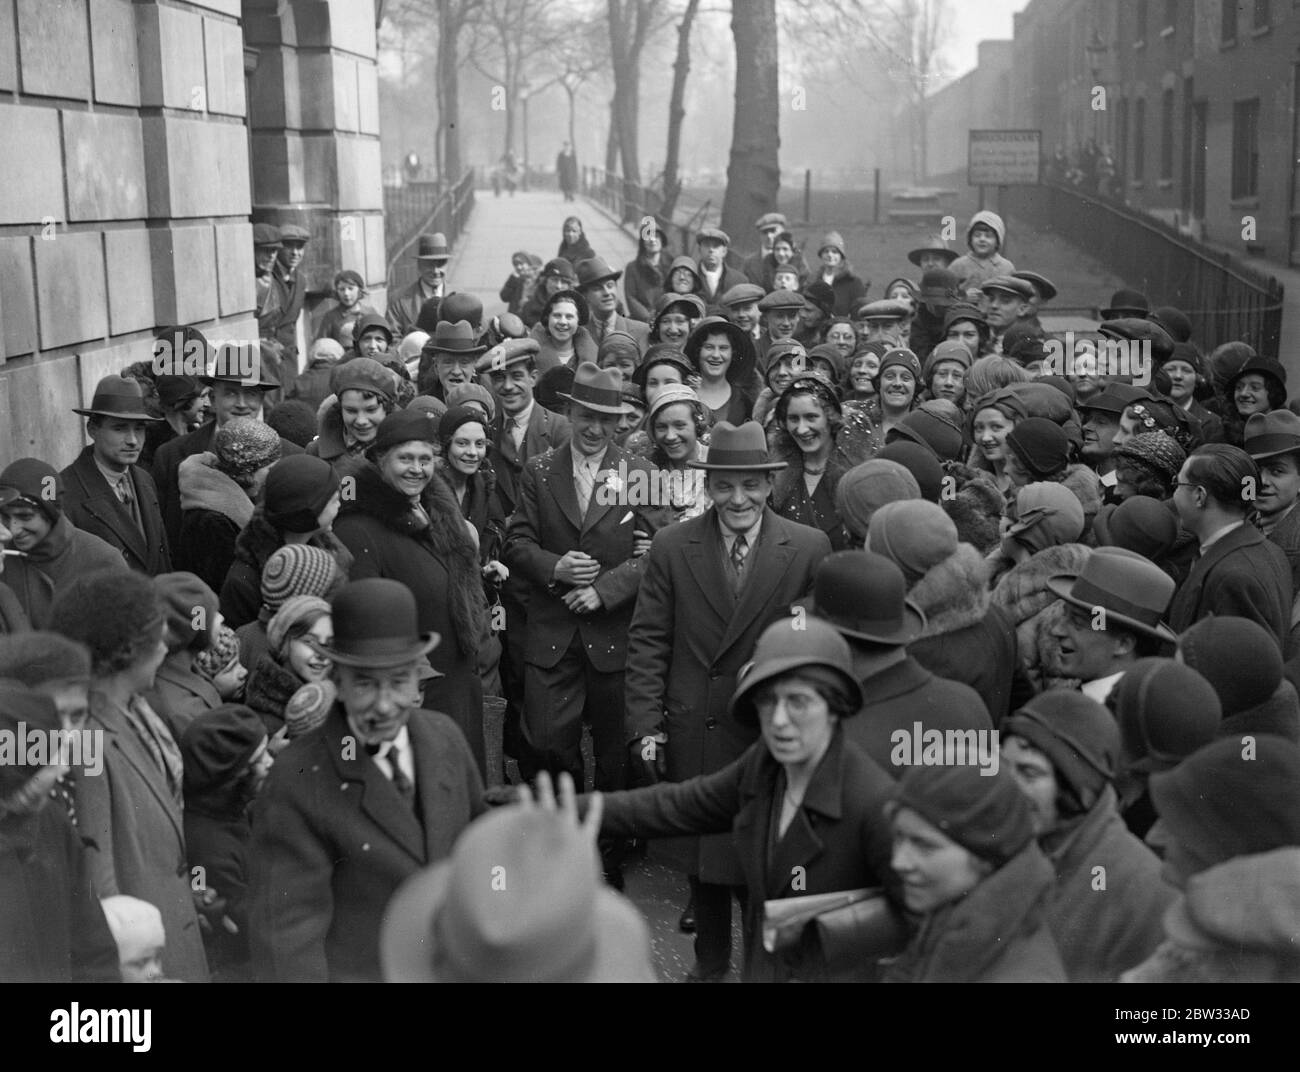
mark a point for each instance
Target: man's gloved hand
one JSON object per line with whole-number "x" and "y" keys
{"x": 648, "y": 759}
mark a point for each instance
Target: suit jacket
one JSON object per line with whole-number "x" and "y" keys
{"x": 546, "y": 524}
{"x": 1242, "y": 573}
{"x": 639, "y": 330}
{"x": 545, "y": 430}
{"x": 94, "y": 507}
{"x": 689, "y": 638}
{"x": 166, "y": 470}
{"x": 404, "y": 309}
{"x": 129, "y": 817}
{"x": 838, "y": 840}
{"x": 333, "y": 839}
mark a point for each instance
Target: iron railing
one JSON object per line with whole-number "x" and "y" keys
{"x": 631, "y": 201}
{"x": 422, "y": 208}
{"x": 1224, "y": 298}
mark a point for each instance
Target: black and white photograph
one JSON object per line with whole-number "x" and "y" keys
{"x": 651, "y": 491}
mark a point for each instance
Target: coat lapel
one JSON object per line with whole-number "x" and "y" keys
{"x": 802, "y": 845}
{"x": 704, "y": 559}
{"x": 103, "y": 504}
{"x": 123, "y": 738}
{"x": 772, "y": 559}
{"x": 434, "y": 786}
{"x": 608, "y": 468}
{"x": 561, "y": 485}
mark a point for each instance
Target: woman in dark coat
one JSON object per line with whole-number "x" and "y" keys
{"x": 405, "y": 524}
{"x": 574, "y": 246}
{"x": 804, "y": 805}
{"x": 646, "y": 274}
{"x": 850, "y": 289}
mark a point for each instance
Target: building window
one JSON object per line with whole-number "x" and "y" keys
{"x": 1245, "y": 148}
{"x": 1228, "y": 22}
{"x": 1167, "y": 134}
{"x": 1262, "y": 20}
{"x": 1139, "y": 139}
{"x": 1139, "y": 22}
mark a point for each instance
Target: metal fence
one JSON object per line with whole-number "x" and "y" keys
{"x": 1224, "y": 298}
{"x": 630, "y": 201}
{"x": 421, "y": 208}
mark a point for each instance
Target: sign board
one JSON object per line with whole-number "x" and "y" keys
{"x": 1004, "y": 158}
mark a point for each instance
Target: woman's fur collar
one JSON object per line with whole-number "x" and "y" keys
{"x": 1023, "y": 590}
{"x": 205, "y": 487}
{"x": 953, "y": 594}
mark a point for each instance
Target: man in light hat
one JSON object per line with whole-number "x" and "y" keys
{"x": 432, "y": 254}
{"x": 1115, "y": 604}
{"x": 572, "y": 538}
{"x": 354, "y": 808}
{"x": 598, "y": 283}
{"x": 279, "y": 319}
{"x": 769, "y": 225}
{"x": 716, "y": 275}
{"x": 740, "y": 305}
{"x": 105, "y": 492}
{"x": 712, "y": 584}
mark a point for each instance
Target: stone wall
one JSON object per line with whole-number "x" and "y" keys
{"x": 128, "y": 186}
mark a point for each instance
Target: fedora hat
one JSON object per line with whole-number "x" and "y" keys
{"x": 864, "y": 596}
{"x": 376, "y": 624}
{"x": 223, "y": 373}
{"x": 935, "y": 244}
{"x": 457, "y": 338}
{"x": 787, "y": 645}
{"x": 1125, "y": 303}
{"x": 1043, "y": 287}
{"x": 1132, "y": 590}
{"x": 595, "y": 270}
{"x": 551, "y": 922}
{"x": 432, "y": 247}
{"x": 600, "y": 390}
{"x": 1270, "y": 434}
{"x": 117, "y": 396}
{"x": 742, "y": 449}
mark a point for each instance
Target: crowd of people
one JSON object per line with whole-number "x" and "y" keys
{"x": 939, "y": 659}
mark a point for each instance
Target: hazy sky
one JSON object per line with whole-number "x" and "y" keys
{"x": 975, "y": 21}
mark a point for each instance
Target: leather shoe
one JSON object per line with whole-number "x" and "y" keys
{"x": 686, "y": 922}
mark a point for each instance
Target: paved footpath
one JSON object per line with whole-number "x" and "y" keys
{"x": 531, "y": 221}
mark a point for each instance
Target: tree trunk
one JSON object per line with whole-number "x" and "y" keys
{"x": 624, "y": 48}
{"x": 677, "y": 111}
{"x": 754, "y": 172}
{"x": 573, "y": 108}
{"x": 611, "y": 144}
{"x": 449, "y": 91}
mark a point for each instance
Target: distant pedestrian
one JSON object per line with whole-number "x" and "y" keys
{"x": 566, "y": 171}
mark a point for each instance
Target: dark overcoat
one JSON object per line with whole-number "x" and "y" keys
{"x": 1242, "y": 574}
{"x": 94, "y": 507}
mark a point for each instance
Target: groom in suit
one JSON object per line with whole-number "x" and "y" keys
{"x": 382, "y": 789}
{"x": 712, "y": 584}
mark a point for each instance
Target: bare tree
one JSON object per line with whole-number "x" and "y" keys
{"x": 753, "y": 172}
{"x": 677, "y": 110}
{"x": 630, "y": 23}
{"x": 908, "y": 35}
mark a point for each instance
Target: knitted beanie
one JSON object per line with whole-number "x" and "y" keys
{"x": 216, "y": 747}
{"x": 1140, "y": 523}
{"x": 1040, "y": 445}
{"x": 948, "y": 350}
{"x": 472, "y": 392}
{"x": 39, "y": 658}
{"x": 212, "y": 660}
{"x": 1233, "y": 798}
{"x": 1047, "y": 515}
{"x": 292, "y": 611}
{"x": 915, "y": 535}
{"x": 190, "y": 610}
{"x": 244, "y": 445}
{"x": 297, "y": 489}
{"x": 1166, "y": 711}
{"x": 1237, "y": 656}
{"x": 1154, "y": 451}
{"x": 988, "y": 816}
{"x": 36, "y": 483}
{"x": 865, "y": 488}
{"x": 293, "y": 420}
{"x": 297, "y": 569}
{"x": 309, "y": 707}
{"x": 920, "y": 462}
{"x": 1077, "y": 734}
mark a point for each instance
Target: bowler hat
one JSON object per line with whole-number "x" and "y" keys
{"x": 432, "y": 247}
{"x": 376, "y": 624}
{"x": 597, "y": 389}
{"x": 739, "y": 448}
{"x": 506, "y": 353}
{"x": 712, "y": 234}
{"x": 1130, "y": 589}
{"x": 1270, "y": 434}
{"x": 1042, "y": 286}
{"x": 595, "y": 270}
{"x": 741, "y": 294}
{"x": 266, "y": 234}
{"x": 864, "y": 596}
{"x": 550, "y": 921}
{"x": 223, "y": 373}
{"x": 934, "y": 244}
{"x": 789, "y": 645}
{"x": 1126, "y": 303}
{"x": 116, "y": 396}
{"x": 457, "y": 338}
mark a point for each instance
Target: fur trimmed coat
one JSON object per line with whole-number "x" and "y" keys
{"x": 439, "y": 564}
{"x": 1034, "y": 608}
{"x": 966, "y": 638}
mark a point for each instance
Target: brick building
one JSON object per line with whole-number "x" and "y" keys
{"x": 142, "y": 140}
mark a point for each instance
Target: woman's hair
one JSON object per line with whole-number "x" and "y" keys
{"x": 991, "y": 373}
{"x": 818, "y": 390}
{"x": 1223, "y": 471}
{"x": 304, "y": 625}
{"x": 574, "y": 219}
{"x": 699, "y": 414}
{"x": 116, "y": 614}
{"x": 829, "y": 685}
{"x": 368, "y": 396}
{"x": 349, "y": 276}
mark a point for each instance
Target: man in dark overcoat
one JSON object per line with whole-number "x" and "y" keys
{"x": 350, "y": 810}
{"x": 712, "y": 585}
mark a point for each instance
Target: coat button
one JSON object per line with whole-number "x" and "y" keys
{"x": 365, "y": 846}
{"x": 714, "y": 675}
{"x": 710, "y": 723}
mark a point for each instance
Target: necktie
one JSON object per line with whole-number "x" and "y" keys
{"x": 129, "y": 501}
{"x": 401, "y": 782}
{"x": 739, "y": 548}
{"x": 516, "y": 432}
{"x": 585, "y": 483}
